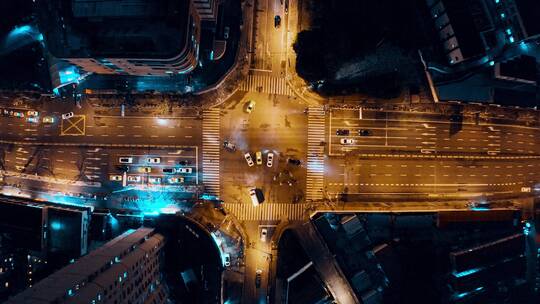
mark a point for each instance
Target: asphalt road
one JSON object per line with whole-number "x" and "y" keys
{"x": 427, "y": 133}
{"x": 417, "y": 153}
{"x": 89, "y": 127}
{"x": 276, "y": 125}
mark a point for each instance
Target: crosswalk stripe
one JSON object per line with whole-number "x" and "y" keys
{"x": 315, "y": 164}
{"x": 267, "y": 84}
{"x": 211, "y": 151}
{"x": 267, "y": 212}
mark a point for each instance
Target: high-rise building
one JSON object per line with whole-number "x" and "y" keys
{"x": 126, "y": 37}
{"x": 126, "y": 269}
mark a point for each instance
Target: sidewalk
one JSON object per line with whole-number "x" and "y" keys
{"x": 390, "y": 207}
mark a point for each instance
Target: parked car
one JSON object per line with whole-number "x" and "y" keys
{"x": 294, "y": 161}
{"x": 249, "y": 161}
{"x": 67, "y": 115}
{"x": 270, "y": 159}
{"x": 154, "y": 180}
{"x": 116, "y": 178}
{"x": 169, "y": 170}
{"x": 176, "y": 180}
{"x": 250, "y": 105}
{"x": 145, "y": 169}
{"x": 32, "y": 119}
{"x": 258, "y": 157}
{"x": 122, "y": 168}
{"x": 125, "y": 160}
{"x": 134, "y": 178}
{"x": 365, "y": 132}
{"x": 153, "y": 160}
{"x": 32, "y": 113}
{"x": 342, "y": 132}
{"x": 184, "y": 162}
{"x": 185, "y": 170}
{"x": 347, "y": 141}
{"x": 48, "y": 119}
{"x": 17, "y": 114}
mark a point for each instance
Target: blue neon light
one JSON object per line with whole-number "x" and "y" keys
{"x": 466, "y": 272}
{"x": 56, "y": 226}
{"x": 69, "y": 75}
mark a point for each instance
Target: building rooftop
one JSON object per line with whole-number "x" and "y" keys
{"x": 529, "y": 10}
{"x": 88, "y": 269}
{"x": 466, "y": 20}
{"x": 115, "y": 28}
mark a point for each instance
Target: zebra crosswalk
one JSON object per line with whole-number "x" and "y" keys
{"x": 315, "y": 157}
{"x": 266, "y": 84}
{"x": 267, "y": 211}
{"x": 210, "y": 151}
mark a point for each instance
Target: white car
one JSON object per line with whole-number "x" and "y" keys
{"x": 67, "y": 115}
{"x": 134, "y": 178}
{"x": 254, "y": 198}
{"x": 116, "y": 178}
{"x": 153, "y": 160}
{"x": 227, "y": 260}
{"x": 258, "y": 157}
{"x": 32, "y": 119}
{"x": 184, "y": 170}
{"x": 250, "y": 105}
{"x": 525, "y": 189}
{"x": 154, "y": 180}
{"x": 270, "y": 160}
{"x": 247, "y": 156}
{"x": 347, "y": 141}
{"x": 176, "y": 180}
{"x": 125, "y": 160}
{"x": 264, "y": 233}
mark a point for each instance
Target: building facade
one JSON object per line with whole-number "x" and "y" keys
{"x": 126, "y": 269}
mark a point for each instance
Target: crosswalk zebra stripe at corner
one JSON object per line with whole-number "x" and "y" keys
{"x": 267, "y": 211}
{"x": 266, "y": 84}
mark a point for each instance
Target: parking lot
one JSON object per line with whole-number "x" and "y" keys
{"x": 166, "y": 167}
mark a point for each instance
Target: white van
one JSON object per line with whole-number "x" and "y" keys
{"x": 254, "y": 198}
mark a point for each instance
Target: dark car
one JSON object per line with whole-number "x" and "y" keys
{"x": 122, "y": 168}
{"x": 258, "y": 278}
{"x": 183, "y": 162}
{"x": 365, "y": 132}
{"x": 342, "y": 132}
{"x": 277, "y": 21}
{"x": 294, "y": 161}
{"x": 169, "y": 170}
